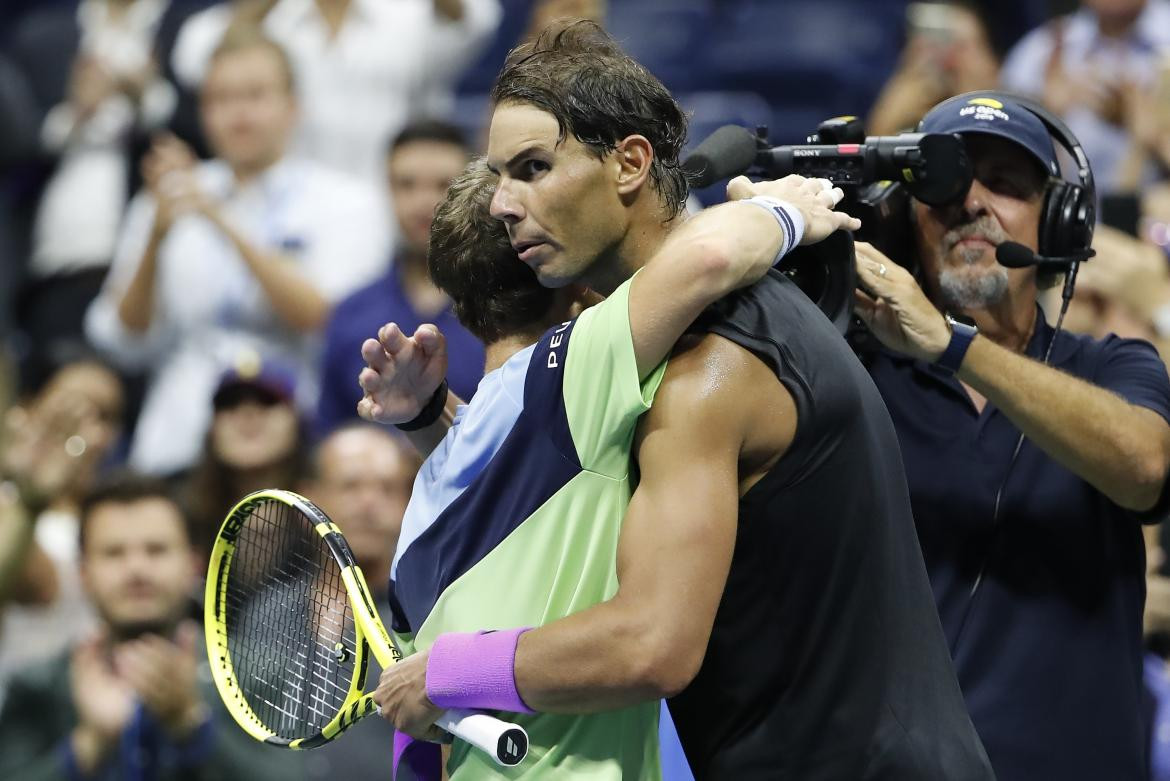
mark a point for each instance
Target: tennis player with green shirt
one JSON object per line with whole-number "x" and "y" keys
{"x": 515, "y": 516}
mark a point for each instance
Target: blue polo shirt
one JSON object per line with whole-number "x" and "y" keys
{"x": 1048, "y": 651}
{"x": 358, "y": 318}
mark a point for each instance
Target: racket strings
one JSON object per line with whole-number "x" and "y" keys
{"x": 290, "y": 630}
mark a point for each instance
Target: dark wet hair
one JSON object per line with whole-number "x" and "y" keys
{"x": 575, "y": 71}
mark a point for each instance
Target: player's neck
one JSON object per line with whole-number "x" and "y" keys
{"x": 497, "y": 353}
{"x": 634, "y": 250}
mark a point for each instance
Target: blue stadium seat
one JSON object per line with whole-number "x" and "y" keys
{"x": 667, "y": 37}
{"x": 832, "y": 53}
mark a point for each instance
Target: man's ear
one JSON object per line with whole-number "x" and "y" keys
{"x": 634, "y": 155}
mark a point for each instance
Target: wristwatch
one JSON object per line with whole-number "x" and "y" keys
{"x": 962, "y": 333}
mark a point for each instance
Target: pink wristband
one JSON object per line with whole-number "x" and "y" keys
{"x": 475, "y": 670}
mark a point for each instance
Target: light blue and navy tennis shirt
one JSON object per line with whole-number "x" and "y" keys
{"x": 514, "y": 521}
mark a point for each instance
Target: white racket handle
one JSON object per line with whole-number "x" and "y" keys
{"x": 505, "y": 742}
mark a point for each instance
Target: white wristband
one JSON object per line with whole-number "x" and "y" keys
{"x": 790, "y": 219}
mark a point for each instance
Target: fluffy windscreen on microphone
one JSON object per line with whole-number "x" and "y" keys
{"x": 727, "y": 152}
{"x": 1014, "y": 255}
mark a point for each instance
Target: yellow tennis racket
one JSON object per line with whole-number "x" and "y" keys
{"x": 290, "y": 625}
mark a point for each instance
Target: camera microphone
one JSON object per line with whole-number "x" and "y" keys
{"x": 727, "y": 152}
{"x": 1015, "y": 255}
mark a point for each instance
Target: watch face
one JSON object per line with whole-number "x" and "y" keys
{"x": 961, "y": 319}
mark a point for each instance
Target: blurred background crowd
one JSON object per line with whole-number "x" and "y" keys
{"x": 206, "y": 207}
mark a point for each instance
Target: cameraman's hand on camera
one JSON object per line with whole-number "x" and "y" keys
{"x": 895, "y": 309}
{"x": 815, "y": 198}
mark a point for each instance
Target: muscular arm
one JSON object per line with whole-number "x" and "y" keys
{"x": 649, "y": 640}
{"x": 1121, "y": 449}
{"x": 717, "y": 251}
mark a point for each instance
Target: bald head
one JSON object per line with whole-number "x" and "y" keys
{"x": 363, "y": 478}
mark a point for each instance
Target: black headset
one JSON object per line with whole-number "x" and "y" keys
{"x": 1070, "y": 209}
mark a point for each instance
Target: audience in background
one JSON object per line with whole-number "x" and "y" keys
{"x": 51, "y": 450}
{"x": 244, "y": 251}
{"x": 421, "y": 163}
{"x": 362, "y": 477}
{"x": 545, "y": 12}
{"x": 133, "y": 700}
{"x": 1124, "y": 290}
{"x": 1092, "y": 67}
{"x": 18, "y": 143}
{"x": 249, "y": 254}
{"x": 364, "y": 67}
{"x": 98, "y": 94}
{"x": 255, "y": 441}
{"x": 947, "y": 52}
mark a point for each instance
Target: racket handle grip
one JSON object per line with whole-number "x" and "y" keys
{"x": 505, "y": 742}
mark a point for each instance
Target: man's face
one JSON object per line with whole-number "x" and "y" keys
{"x": 559, "y": 202}
{"x": 1124, "y": 9}
{"x": 957, "y": 242}
{"x": 248, "y": 109}
{"x": 137, "y": 565}
{"x": 420, "y": 173}
{"x": 364, "y": 484}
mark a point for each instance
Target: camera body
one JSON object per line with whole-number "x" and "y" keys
{"x": 878, "y": 174}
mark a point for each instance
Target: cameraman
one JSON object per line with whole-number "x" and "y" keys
{"x": 1029, "y": 482}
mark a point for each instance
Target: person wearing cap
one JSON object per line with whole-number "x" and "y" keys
{"x": 1029, "y": 482}
{"x": 256, "y": 440}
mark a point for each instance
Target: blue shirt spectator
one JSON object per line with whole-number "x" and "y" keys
{"x": 358, "y": 318}
{"x": 420, "y": 165}
{"x": 1157, "y": 678}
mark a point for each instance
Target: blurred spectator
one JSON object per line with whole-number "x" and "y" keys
{"x": 947, "y": 52}
{"x": 362, "y": 479}
{"x": 1149, "y": 121}
{"x": 1124, "y": 290}
{"x": 134, "y": 700}
{"x": 545, "y": 12}
{"x": 18, "y": 142}
{"x": 1087, "y": 66}
{"x": 1156, "y": 672}
{"x": 52, "y": 449}
{"x": 255, "y": 441}
{"x": 97, "y": 92}
{"x": 243, "y": 252}
{"x": 423, "y": 160}
{"x": 364, "y": 67}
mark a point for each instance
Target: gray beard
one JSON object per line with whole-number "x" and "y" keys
{"x": 962, "y": 289}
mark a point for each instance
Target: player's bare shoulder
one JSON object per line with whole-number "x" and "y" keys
{"x": 730, "y": 397}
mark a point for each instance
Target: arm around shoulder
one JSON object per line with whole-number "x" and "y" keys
{"x": 649, "y": 640}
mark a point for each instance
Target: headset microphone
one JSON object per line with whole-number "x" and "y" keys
{"x": 1015, "y": 255}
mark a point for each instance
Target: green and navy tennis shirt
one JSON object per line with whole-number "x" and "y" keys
{"x": 514, "y": 521}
